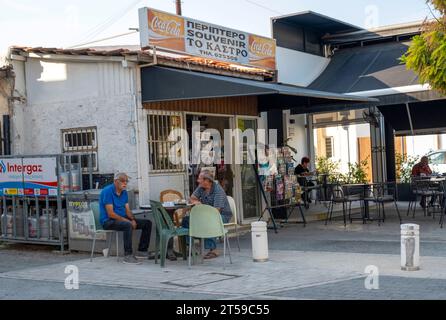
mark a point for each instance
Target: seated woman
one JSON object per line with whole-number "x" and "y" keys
{"x": 211, "y": 193}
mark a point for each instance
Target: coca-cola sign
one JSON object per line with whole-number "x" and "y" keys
{"x": 180, "y": 34}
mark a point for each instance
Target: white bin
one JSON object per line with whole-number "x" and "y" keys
{"x": 259, "y": 239}
{"x": 410, "y": 247}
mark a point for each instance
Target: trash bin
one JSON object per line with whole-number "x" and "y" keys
{"x": 410, "y": 247}
{"x": 259, "y": 239}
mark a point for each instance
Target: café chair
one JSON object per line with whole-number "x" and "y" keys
{"x": 205, "y": 222}
{"x": 233, "y": 221}
{"x": 171, "y": 195}
{"x": 99, "y": 230}
{"x": 165, "y": 229}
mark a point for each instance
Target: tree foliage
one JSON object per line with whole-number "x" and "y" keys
{"x": 426, "y": 55}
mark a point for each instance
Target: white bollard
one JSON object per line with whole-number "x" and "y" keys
{"x": 259, "y": 239}
{"x": 410, "y": 247}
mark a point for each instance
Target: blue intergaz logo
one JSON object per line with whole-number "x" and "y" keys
{"x": 3, "y": 166}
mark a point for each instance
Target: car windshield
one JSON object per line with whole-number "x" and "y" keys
{"x": 437, "y": 158}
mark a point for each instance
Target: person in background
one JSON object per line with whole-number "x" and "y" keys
{"x": 115, "y": 214}
{"x": 302, "y": 171}
{"x": 422, "y": 169}
{"x": 211, "y": 193}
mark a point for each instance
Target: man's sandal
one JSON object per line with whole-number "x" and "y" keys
{"x": 210, "y": 255}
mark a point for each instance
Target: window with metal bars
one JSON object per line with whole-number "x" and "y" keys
{"x": 82, "y": 142}
{"x": 329, "y": 147}
{"x": 160, "y": 124}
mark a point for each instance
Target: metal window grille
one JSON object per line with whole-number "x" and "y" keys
{"x": 329, "y": 147}
{"x": 160, "y": 124}
{"x": 82, "y": 141}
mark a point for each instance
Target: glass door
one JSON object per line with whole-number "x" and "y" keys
{"x": 249, "y": 197}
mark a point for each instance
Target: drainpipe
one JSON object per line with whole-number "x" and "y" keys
{"x": 6, "y": 135}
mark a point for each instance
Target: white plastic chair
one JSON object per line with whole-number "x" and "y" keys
{"x": 233, "y": 221}
{"x": 98, "y": 230}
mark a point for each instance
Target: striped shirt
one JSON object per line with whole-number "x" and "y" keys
{"x": 215, "y": 198}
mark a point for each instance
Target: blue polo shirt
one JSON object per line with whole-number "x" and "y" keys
{"x": 108, "y": 196}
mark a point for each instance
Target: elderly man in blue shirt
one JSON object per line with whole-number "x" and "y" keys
{"x": 211, "y": 193}
{"x": 115, "y": 214}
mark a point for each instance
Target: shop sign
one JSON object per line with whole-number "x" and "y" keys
{"x": 81, "y": 221}
{"x": 206, "y": 40}
{"x": 28, "y": 176}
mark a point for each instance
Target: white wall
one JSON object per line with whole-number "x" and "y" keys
{"x": 17, "y": 129}
{"x": 299, "y": 68}
{"x": 421, "y": 145}
{"x": 65, "y": 95}
{"x": 345, "y": 148}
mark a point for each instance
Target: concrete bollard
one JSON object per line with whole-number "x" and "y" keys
{"x": 410, "y": 247}
{"x": 259, "y": 239}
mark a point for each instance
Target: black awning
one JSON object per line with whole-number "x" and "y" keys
{"x": 165, "y": 84}
{"x": 316, "y": 21}
{"x": 427, "y": 117}
{"x": 366, "y": 68}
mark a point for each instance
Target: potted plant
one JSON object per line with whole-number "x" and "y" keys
{"x": 404, "y": 164}
{"x": 327, "y": 170}
{"x": 357, "y": 174}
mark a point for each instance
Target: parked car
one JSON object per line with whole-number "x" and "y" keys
{"x": 437, "y": 161}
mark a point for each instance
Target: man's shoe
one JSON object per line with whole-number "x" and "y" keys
{"x": 130, "y": 259}
{"x": 151, "y": 256}
{"x": 142, "y": 255}
{"x": 171, "y": 256}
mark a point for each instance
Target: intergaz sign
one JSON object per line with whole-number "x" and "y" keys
{"x": 184, "y": 35}
{"x": 28, "y": 176}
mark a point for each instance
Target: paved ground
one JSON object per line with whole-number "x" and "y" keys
{"x": 315, "y": 262}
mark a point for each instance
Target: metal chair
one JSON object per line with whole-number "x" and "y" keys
{"x": 205, "y": 222}
{"x": 165, "y": 230}
{"x": 420, "y": 188}
{"x": 337, "y": 196}
{"x": 443, "y": 204}
{"x": 233, "y": 221}
{"x": 99, "y": 230}
{"x": 382, "y": 193}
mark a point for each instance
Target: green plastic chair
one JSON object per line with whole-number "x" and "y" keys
{"x": 165, "y": 230}
{"x": 98, "y": 229}
{"x": 205, "y": 222}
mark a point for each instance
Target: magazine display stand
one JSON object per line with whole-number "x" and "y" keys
{"x": 279, "y": 187}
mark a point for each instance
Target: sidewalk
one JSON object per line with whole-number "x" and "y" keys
{"x": 315, "y": 262}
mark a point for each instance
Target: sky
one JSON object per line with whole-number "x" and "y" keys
{"x": 61, "y": 24}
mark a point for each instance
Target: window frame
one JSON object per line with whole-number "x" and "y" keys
{"x": 83, "y": 149}
{"x": 159, "y": 127}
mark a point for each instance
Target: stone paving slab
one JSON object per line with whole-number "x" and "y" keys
{"x": 390, "y": 287}
{"x": 244, "y": 276}
{"x": 285, "y": 270}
